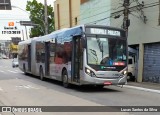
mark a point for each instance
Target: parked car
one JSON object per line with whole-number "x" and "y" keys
{"x": 131, "y": 69}
{"x": 4, "y": 57}
{"x": 15, "y": 63}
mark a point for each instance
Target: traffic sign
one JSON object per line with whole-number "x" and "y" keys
{"x": 27, "y": 23}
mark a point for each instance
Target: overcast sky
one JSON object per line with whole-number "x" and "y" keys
{"x": 16, "y": 14}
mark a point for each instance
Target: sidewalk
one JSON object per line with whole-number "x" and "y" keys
{"x": 147, "y": 85}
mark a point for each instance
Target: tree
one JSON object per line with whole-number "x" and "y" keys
{"x": 37, "y": 16}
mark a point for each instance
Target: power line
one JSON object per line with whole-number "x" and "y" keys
{"x": 91, "y": 16}
{"x": 115, "y": 4}
{"x": 99, "y": 20}
{"x": 120, "y": 12}
{"x": 139, "y": 7}
{"x": 146, "y": 23}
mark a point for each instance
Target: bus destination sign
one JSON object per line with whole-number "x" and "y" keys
{"x": 105, "y": 32}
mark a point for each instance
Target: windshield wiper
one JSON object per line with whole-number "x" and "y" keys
{"x": 95, "y": 54}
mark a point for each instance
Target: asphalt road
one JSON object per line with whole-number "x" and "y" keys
{"x": 18, "y": 89}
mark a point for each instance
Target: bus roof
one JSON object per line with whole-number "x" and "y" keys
{"x": 65, "y": 32}
{"x": 61, "y": 33}
{"x": 25, "y": 42}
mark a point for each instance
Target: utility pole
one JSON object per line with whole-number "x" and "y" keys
{"x": 126, "y": 21}
{"x": 26, "y": 33}
{"x": 46, "y": 17}
{"x": 23, "y": 35}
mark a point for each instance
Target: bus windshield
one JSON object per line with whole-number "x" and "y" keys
{"x": 106, "y": 51}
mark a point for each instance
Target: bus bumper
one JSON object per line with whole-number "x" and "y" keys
{"x": 104, "y": 81}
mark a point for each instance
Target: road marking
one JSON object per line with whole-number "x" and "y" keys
{"x": 143, "y": 89}
{"x": 26, "y": 87}
{"x": 12, "y": 71}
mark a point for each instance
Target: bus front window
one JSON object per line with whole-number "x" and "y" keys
{"x": 97, "y": 50}
{"x": 107, "y": 52}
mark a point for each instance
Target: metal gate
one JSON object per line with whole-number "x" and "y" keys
{"x": 151, "y": 69}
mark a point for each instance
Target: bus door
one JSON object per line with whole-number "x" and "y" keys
{"x": 29, "y": 58}
{"x": 75, "y": 65}
{"x": 47, "y": 57}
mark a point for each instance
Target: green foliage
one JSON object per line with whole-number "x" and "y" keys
{"x": 37, "y": 16}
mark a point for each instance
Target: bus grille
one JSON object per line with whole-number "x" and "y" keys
{"x": 109, "y": 77}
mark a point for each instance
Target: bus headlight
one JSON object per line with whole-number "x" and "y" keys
{"x": 90, "y": 72}
{"x": 125, "y": 72}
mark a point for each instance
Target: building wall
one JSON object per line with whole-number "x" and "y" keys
{"x": 95, "y": 12}
{"x": 67, "y": 14}
{"x": 139, "y": 32}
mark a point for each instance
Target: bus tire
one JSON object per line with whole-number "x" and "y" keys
{"x": 41, "y": 74}
{"x": 65, "y": 79}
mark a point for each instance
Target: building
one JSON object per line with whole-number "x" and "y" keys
{"x": 69, "y": 13}
{"x": 143, "y": 36}
{"x": 66, "y": 13}
{"x": 95, "y": 12}
{"x": 143, "y": 33}
{"x": 4, "y": 47}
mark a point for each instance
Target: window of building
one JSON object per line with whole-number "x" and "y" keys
{"x": 76, "y": 20}
{"x": 83, "y": 1}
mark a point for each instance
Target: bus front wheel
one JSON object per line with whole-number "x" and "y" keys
{"x": 65, "y": 79}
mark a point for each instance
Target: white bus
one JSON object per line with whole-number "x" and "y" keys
{"x": 82, "y": 55}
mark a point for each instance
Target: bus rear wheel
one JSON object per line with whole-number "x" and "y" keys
{"x": 65, "y": 79}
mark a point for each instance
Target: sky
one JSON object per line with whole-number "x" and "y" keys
{"x": 18, "y": 13}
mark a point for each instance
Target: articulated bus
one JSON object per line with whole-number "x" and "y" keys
{"x": 82, "y": 55}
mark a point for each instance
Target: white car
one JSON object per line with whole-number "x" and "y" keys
{"x": 131, "y": 69}
{"x": 15, "y": 62}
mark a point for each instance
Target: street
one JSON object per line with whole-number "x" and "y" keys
{"x": 17, "y": 89}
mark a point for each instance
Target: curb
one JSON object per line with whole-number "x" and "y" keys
{"x": 142, "y": 89}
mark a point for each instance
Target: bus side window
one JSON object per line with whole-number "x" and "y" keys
{"x": 58, "y": 58}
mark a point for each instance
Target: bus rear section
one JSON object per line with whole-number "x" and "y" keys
{"x": 24, "y": 56}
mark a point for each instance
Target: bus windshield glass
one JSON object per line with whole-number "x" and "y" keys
{"x": 106, "y": 51}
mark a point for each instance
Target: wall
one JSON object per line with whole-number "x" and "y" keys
{"x": 95, "y": 12}
{"x": 140, "y": 33}
{"x": 65, "y": 15}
